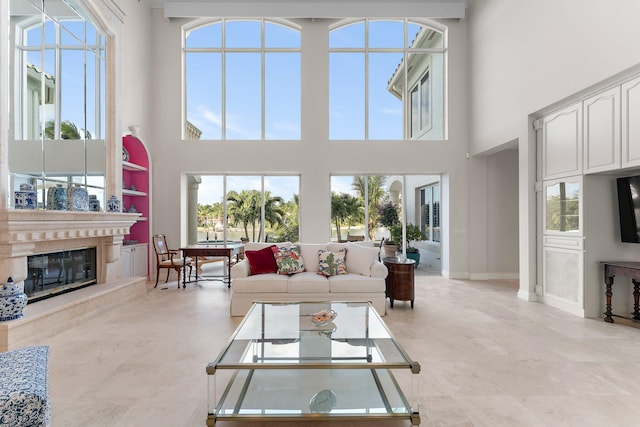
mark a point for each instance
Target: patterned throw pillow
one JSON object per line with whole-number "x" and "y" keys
{"x": 332, "y": 263}
{"x": 289, "y": 260}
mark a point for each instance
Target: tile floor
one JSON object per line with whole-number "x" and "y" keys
{"x": 488, "y": 359}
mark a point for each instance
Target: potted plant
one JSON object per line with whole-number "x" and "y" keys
{"x": 388, "y": 212}
{"x": 412, "y": 233}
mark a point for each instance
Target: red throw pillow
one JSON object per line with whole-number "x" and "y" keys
{"x": 262, "y": 261}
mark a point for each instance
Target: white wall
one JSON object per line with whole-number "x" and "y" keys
{"x": 526, "y": 55}
{"x": 134, "y": 53}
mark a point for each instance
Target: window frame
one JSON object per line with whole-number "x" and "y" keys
{"x": 187, "y": 128}
{"x": 435, "y": 214}
{"x": 418, "y": 86}
{"x": 263, "y": 188}
{"x": 407, "y": 50}
{"x": 54, "y": 90}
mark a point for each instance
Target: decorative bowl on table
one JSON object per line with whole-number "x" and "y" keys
{"x": 323, "y": 317}
{"x": 323, "y": 402}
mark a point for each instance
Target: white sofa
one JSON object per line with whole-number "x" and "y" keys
{"x": 364, "y": 281}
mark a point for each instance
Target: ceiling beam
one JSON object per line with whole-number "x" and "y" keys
{"x": 317, "y": 9}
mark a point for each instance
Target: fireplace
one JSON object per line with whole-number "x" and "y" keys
{"x": 54, "y": 273}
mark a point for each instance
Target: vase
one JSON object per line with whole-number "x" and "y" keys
{"x": 77, "y": 199}
{"x": 57, "y": 198}
{"x": 12, "y": 301}
{"x": 113, "y": 204}
{"x": 390, "y": 250}
{"x": 94, "y": 203}
{"x": 26, "y": 197}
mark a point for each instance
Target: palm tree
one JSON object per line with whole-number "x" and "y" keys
{"x": 345, "y": 208}
{"x": 68, "y": 130}
{"x": 242, "y": 209}
{"x": 376, "y": 194}
{"x": 274, "y": 212}
{"x": 246, "y": 208}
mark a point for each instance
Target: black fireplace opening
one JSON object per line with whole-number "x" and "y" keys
{"x": 55, "y": 273}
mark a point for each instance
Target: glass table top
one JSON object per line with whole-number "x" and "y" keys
{"x": 282, "y": 336}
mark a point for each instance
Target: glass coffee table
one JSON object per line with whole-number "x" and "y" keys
{"x": 281, "y": 365}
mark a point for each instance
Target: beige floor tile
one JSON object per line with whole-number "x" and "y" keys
{"x": 487, "y": 357}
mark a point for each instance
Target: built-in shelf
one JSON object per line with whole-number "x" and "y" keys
{"x": 135, "y": 173}
{"x": 133, "y": 193}
{"x": 128, "y": 166}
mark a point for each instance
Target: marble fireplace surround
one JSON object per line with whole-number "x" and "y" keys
{"x": 25, "y": 232}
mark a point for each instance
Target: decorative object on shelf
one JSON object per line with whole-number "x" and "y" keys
{"x": 94, "y": 203}
{"x": 57, "y": 198}
{"x": 113, "y": 204}
{"x": 132, "y": 187}
{"x": 323, "y": 402}
{"x": 124, "y": 185}
{"x": 77, "y": 199}
{"x": 26, "y": 197}
{"x": 323, "y": 317}
{"x": 125, "y": 155}
{"x": 132, "y": 209}
{"x": 12, "y": 301}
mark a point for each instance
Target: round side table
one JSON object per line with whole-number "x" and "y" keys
{"x": 400, "y": 280}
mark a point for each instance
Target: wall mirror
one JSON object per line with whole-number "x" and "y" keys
{"x": 58, "y": 94}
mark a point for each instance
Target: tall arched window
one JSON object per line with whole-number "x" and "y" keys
{"x": 386, "y": 80}
{"x": 242, "y": 80}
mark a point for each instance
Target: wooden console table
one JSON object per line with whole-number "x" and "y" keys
{"x": 622, "y": 268}
{"x": 400, "y": 280}
{"x": 200, "y": 250}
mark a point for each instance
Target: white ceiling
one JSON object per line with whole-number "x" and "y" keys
{"x": 313, "y": 8}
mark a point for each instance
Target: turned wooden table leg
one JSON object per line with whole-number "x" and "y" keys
{"x": 636, "y": 299}
{"x": 608, "y": 280}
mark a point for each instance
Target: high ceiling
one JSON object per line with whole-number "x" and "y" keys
{"x": 314, "y": 8}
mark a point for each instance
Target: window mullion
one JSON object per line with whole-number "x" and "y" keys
{"x": 223, "y": 84}
{"x": 366, "y": 80}
{"x": 262, "y": 84}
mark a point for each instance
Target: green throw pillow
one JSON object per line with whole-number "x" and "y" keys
{"x": 332, "y": 263}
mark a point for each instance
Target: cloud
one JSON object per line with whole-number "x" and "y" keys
{"x": 392, "y": 111}
{"x": 212, "y": 121}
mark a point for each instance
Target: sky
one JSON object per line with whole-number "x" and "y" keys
{"x": 282, "y": 76}
{"x": 206, "y": 68}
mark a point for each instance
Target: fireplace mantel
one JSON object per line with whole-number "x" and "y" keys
{"x": 28, "y": 232}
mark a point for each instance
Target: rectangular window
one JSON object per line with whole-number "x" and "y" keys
{"x": 257, "y": 208}
{"x": 430, "y": 212}
{"x": 420, "y": 107}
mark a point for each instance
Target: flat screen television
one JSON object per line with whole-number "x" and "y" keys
{"x": 629, "y": 208}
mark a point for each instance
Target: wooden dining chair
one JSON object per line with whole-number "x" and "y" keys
{"x": 169, "y": 259}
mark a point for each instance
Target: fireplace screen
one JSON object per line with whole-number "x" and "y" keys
{"x": 59, "y": 272}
